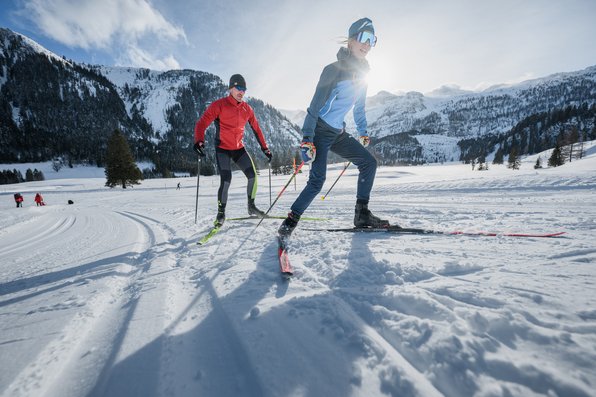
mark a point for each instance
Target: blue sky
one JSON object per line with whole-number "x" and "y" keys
{"x": 281, "y": 46}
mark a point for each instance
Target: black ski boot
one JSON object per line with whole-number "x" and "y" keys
{"x": 221, "y": 214}
{"x": 288, "y": 225}
{"x": 253, "y": 210}
{"x": 364, "y": 218}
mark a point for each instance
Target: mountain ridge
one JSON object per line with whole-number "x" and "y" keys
{"x": 52, "y": 107}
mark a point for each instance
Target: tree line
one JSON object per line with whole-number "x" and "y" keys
{"x": 534, "y": 134}
{"x": 15, "y": 176}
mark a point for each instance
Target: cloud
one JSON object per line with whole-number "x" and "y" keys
{"x": 105, "y": 24}
{"x": 140, "y": 58}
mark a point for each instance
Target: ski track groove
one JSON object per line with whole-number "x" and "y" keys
{"x": 106, "y": 323}
{"x": 47, "y": 231}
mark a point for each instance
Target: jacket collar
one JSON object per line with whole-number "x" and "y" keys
{"x": 232, "y": 101}
{"x": 348, "y": 61}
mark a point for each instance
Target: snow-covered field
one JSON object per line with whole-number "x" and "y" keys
{"x": 112, "y": 297}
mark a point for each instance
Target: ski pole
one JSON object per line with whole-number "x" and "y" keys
{"x": 342, "y": 172}
{"x": 269, "y": 183}
{"x": 198, "y": 180}
{"x": 281, "y": 192}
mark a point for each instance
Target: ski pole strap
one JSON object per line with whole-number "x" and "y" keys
{"x": 342, "y": 172}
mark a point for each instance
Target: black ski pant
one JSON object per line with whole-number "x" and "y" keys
{"x": 242, "y": 159}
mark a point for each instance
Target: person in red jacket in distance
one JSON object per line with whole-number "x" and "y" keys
{"x": 39, "y": 200}
{"x": 230, "y": 115}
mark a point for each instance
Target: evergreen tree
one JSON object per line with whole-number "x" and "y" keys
{"x": 556, "y": 158}
{"x": 38, "y": 175}
{"x": 513, "y": 161}
{"x": 498, "y": 156}
{"x": 538, "y": 163}
{"x": 120, "y": 166}
{"x": 29, "y": 175}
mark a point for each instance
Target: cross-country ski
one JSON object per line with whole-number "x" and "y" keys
{"x": 284, "y": 261}
{"x": 406, "y": 230}
{"x": 212, "y": 232}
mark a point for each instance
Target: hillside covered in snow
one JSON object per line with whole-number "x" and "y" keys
{"x": 53, "y": 107}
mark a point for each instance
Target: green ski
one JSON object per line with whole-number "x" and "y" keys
{"x": 211, "y": 233}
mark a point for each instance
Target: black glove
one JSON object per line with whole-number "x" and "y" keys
{"x": 200, "y": 148}
{"x": 267, "y": 153}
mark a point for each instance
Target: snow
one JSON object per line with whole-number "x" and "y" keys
{"x": 295, "y": 116}
{"x": 111, "y": 295}
{"x": 159, "y": 92}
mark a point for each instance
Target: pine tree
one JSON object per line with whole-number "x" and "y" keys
{"x": 498, "y": 156}
{"x": 29, "y": 175}
{"x": 556, "y": 158}
{"x": 538, "y": 163}
{"x": 120, "y": 166}
{"x": 38, "y": 175}
{"x": 513, "y": 161}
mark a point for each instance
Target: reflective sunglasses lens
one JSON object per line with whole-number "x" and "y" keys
{"x": 366, "y": 36}
{"x": 240, "y": 88}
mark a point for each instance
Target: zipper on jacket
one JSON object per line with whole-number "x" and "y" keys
{"x": 330, "y": 104}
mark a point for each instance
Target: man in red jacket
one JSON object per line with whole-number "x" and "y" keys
{"x": 230, "y": 115}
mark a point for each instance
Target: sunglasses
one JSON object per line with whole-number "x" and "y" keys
{"x": 240, "y": 88}
{"x": 367, "y": 36}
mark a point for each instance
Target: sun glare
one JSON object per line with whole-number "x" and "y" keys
{"x": 380, "y": 77}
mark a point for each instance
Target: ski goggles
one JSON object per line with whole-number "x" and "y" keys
{"x": 366, "y": 36}
{"x": 240, "y": 88}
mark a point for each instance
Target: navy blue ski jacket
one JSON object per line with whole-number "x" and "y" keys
{"x": 342, "y": 85}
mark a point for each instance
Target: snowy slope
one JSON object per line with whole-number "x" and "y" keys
{"x": 111, "y": 297}
{"x": 153, "y": 92}
{"x": 295, "y": 116}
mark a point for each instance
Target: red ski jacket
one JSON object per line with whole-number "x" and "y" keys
{"x": 230, "y": 117}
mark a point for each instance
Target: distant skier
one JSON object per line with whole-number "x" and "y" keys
{"x": 230, "y": 115}
{"x": 178, "y": 186}
{"x": 39, "y": 200}
{"x": 342, "y": 85}
{"x": 18, "y": 198}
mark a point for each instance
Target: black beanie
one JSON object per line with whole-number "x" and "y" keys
{"x": 237, "y": 79}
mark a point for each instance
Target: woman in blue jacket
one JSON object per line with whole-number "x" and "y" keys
{"x": 342, "y": 86}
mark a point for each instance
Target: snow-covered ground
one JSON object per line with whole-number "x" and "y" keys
{"x": 111, "y": 296}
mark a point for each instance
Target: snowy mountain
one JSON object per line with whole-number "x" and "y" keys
{"x": 444, "y": 125}
{"x": 295, "y": 116}
{"x": 52, "y": 107}
{"x": 55, "y": 107}
{"x": 451, "y": 124}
